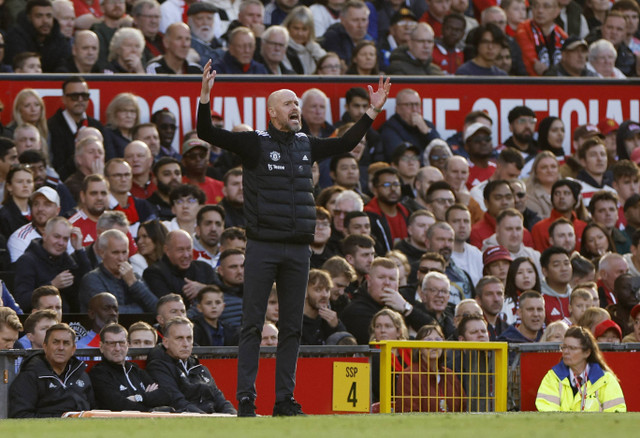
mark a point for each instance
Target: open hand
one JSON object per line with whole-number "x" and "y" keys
{"x": 208, "y": 78}
{"x": 380, "y": 96}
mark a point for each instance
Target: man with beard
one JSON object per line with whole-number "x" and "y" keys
{"x": 388, "y": 216}
{"x": 103, "y": 310}
{"x": 230, "y": 278}
{"x": 168, "y": 176}
{"x": 94, "y": 197}
{"x": 34, "y": 160}
{"x": 440, "y": 239}
{"x": 37, "y": 31}
{"x": 233, "y": 200}
{"x": 209, "y": 226}
{"x": 522, "y": 124}
{"x": 165, "y": 122}
{"x": 176, "y": 271}
{"x": 195, "y": 160}
{"x": 45, "y": 204}
{"x": 201, "y": 18}
{"x": 278, "y": 238}
{"x": 319, "y": 321}
{"x": 565, "y": 195}
{"x": 139, "y": 157}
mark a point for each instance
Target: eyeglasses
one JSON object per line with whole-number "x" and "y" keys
{"x": 387, "y": 185}
{"x": 436, "y": 291}
{"x": 526, "y": 121}
{"x": 115, "y": 343}
{"x": 190, "y": 200}
{"x": 438, "y": 157}
{"x": 273, "y": 43}
{"x": 570, "y": 348}
{"x": 77, "y": 96}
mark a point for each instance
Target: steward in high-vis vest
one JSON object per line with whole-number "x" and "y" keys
{"x": 280, "y": 212}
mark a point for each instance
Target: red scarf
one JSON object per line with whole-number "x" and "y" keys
{"x": 542, "y": 49}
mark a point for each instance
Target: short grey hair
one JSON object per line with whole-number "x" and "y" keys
{"x": 110, "y": 218}
{"x": 313, "y": 92}
{"x": 600, "y": 46}
{"x": 122, "y": 34}
{"x": 276, "y": 29}
{"x": 105, "y": 237}
{"x": 350, "y": 195}
{"x": 433, "y": 275}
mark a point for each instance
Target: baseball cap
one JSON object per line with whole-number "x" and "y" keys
{"x": 403, "y": 14}
{"x": 586, "y": 131}
{"x": 605, "y": 325}
{"x": 475, "y": 127}
{"x": 216, "y": 115}
{"x": 495, "y": 253}
{"x": 607, "y": 126}
{"x": 193, "y": 143}
{"x": 48, "y": 193}
{"x": 573, "y": 42}
{"x": 632, "y": 130}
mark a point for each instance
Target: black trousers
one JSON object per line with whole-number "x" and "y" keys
{"x": 288, "y": 265}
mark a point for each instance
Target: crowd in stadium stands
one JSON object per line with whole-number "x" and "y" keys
{"x": 417, "y": 236}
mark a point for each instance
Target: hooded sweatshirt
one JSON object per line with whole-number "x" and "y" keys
{"x": 556, "y": 306}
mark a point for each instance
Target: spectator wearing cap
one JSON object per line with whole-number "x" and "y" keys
{"x": 387, "y": 214}
{"x": 628, "y": 139}
{"x": 573, "y": 61}
{"x": 403, "y": 21}
{"x": 177, "y": 43}
{"x": 416, "y": 57}
{"x": 487, "y": 41}
{"x": 239, "y": 58}
{"x": 201, "y": 18}
{"x": 609, "y": 128}
{"x": 634, "y": 336}
{"x": 447, "y": 52}
{"x": 608, "y": 331}
{"x": 195, "y": 159}
{"x": 625, "y": 288}
{"x": 508, "y": 166}
{"x": 565, "y": 194}
{"x": 406, "y": 158}
{"x": 540, "y": 38}
{"x": 478, "y": 146}
{"x": 522, "y": 124}
{"x": 407, "y": 124}
{"x": 45, "y": 204}
{"x": 496, "y": 261}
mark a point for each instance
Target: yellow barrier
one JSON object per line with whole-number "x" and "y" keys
{"x": 465, "y": 377}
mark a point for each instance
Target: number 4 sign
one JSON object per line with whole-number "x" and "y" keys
{"x": 351, "y": 387}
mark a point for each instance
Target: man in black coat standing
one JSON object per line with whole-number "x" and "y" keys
{"x": 281, "y": 218}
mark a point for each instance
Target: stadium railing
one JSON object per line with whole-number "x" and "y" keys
{"x": 468, "y": 377}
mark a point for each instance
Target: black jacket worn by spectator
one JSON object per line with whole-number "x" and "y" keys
{"x": 205, "y": 335}
{"x": 165, "y": 278}
{"x": 36, "y": 267}
{"x": 316, "y": 331}
{"x": 63, "y": 141}
{"x": 38, "y": 392}
{"x": 11, "y": 218}
{"x": 54, "y": 50}
{"x": 114, "y": 383}
{"x": 188, "y": 384}
{"x": 164, "y": 208}
{"x": 233, "y": 215}
{"x": 277, "y": 179}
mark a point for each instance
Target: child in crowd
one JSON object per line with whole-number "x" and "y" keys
{"x": 208, "y": 330}
{"x": 579, "y": 301}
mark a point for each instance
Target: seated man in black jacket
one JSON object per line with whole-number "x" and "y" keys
{"x": 120, "y": 385}
{"x": 176, "y": 271}
{"x": 319, "y": 321}
{"x": 53, "y": 381}
{"x": 188, "y": 384}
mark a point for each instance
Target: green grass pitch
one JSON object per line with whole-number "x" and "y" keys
{"x": 509, "y": 425}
